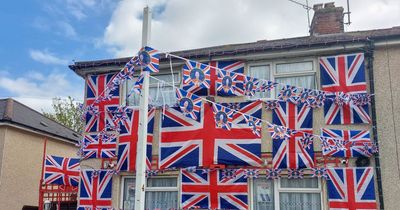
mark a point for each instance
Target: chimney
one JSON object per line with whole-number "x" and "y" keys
{"x": 327, "y": 19}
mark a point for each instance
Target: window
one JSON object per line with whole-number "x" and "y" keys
{"x": 287, "y": 194}
{"x": 161, "y": 193}
{"x": 299, "y": 74}
{"x": 158, "y": 93}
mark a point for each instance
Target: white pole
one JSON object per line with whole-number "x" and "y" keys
{"x": 143, "y": 109}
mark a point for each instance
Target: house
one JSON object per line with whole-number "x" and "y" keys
{"x": 23, "y": 132}
{"x": 293, "y": 61}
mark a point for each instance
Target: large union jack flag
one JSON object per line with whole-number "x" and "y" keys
{"x": 127, "y": 145}
{"x": 97, "y": 89}
{"x": 61, "y": 171}
{"x": 186, "y": 142}
{"x": 95, "y": 190}
{"x": 353, "y": 143}
{"x": 230, "y": 83}
{"x": 102, "y": 145}
{"x": 292, "y": 152}
{"x": 351, "y": 188}
{"x": 344, "y": 73}
{"x": 196, "y": 77}
{"x": 213, "y": 191}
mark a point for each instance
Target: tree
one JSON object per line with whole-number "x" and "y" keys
{"x": 67, "y": 113}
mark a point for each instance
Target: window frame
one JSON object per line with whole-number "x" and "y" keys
{"x": 151, "y": 189}
{"x": 278, "y": 189}
{"x": 274, "y": 75}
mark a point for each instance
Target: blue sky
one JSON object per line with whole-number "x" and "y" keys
{"x": 40, "y": 38}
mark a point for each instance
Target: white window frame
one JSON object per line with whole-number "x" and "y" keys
{"x": 274, "y": 75}
{"x": 278, "y": 189}
{"x": 152, "y": 189}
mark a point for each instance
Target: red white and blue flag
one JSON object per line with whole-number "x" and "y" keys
{"x": 149, "y": 59}
{"x": 353, "y": 143}
{"x": 61, "y": 171}
{"x": 196, "y": 78}
{"x": 344, "y": 73}
{"x": 189, "y": 103}
{"x": 212, "y": 190}
{"x": 186, "y": 142}
{"x": 95, "y": 190}
{"x": 292, "y": 152}
{"x": 223, "y": 116}
{"x": 250, "y": 86}
{"x": 102, "y": 97}
{"x": 230, "y": 83}
{"x": 351, "y": 188}
{"x": 248, "y": 115}
{"x": 102, "y": 145}
{"x": 127, "y": 145}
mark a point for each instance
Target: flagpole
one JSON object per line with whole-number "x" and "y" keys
{"x": 143, "y": 118}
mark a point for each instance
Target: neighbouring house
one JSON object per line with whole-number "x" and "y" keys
{"x": 23, "y": 132}
{"x": 294, "y": 61}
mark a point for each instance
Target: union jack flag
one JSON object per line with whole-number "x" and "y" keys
{"x": 291, "y": 152}
{"x": 250, "y": 86}
{"x": 61, "y": 171}
{"x": 189, "y": 104}
{"x": 127, "y": 145}
{"x": 149, "y": 59}
{"x": 351, "y": 188}
{"x": 211, "y": 76}
{"x": 196, "y": 77}
{"x": 213, "y": 191}
{"x": 100, "y": 97}
{"x": 288, "y": 93}
{"x": 137, "y": 87}
{"x": 267, "y": 85}
{"x": 230, "y": 83}
{"x": 223, "y": 116}
{"x": 95, "y": 190}
{"x": 356, "y": 143}
{"x": 344, "y": 73}
{"x": 186, "y": 142}
{"x": 102, "y": 145}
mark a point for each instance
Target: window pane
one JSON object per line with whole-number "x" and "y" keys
{"x": 161, "y": 200}
{"x": 164, "y": 77}
{"x": 294, "y": 67}
{"x": 260, "y": 72}
{"x": 299, "y": 183}
{"x": 299, "y": 81}
{"x": 162, "y": 182}
{"x": 129, "y": 194}
{"x": 263, "y": 193}
{"x": 299, "y": 201}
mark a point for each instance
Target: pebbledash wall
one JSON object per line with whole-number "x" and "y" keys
{"x": 381, "y": 48}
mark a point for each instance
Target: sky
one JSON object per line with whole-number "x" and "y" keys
{"x": 40, "y": 38}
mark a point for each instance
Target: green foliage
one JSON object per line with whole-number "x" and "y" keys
{"x": 67, "y": 113}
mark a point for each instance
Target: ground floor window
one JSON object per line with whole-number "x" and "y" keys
{"x": 161, "y": 193}
{"x": 287, "y": 194}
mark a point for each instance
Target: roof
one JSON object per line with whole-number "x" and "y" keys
{"x": 261, "y": 46}
{"x": 14, "y": 112}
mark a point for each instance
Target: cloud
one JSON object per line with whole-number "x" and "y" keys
{"x": 67, "y": 29}
{"x": 46, "y": 57}
{"x": 180, "y": 24}
{"x": 37, "y": 90}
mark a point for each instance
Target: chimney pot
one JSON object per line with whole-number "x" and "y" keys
{"x": 317, "y": 6}
{"x": 330, "y": 5}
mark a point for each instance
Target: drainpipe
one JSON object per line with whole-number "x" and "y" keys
{"x": 369, "y": 55}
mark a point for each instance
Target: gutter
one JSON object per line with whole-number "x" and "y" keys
{"x": 35, "y": 131}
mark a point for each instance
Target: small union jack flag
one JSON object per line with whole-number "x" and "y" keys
{"x": 319, "y": 172}
{"x": 351, "y": 188}
{"x": 61, "y": 171}
{"x": 213, "y": 191}
{"x": 295, "y": 173}
{"x": 102, "y": 145}
{"x": 266, "y": 85}
{"x": 279, "y": 132}
{"x": 189, "y": 103}
{"x": 229, "y": 66}
{"x": 95, "y": 190}
{"x": 149, "y": 59}
{"x": 254, "y": 124}
{"x": 137, "y": 87}
{"x": 353, "y": 143}
{"x": 250, "y": 86}
{"x": 196, "y": 77}
{"x": 271, "y": 173}
{"x": 271, "y": 104}
{"x": 223, "y": 116}
{"x": 251, "y": 173}
{"x": 317, "y": 99}
{"x": 288, "y": 93}
{"x": 230, "y": 83}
